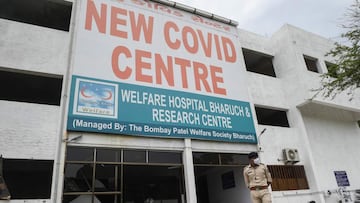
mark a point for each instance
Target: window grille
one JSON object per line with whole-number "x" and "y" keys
{"x": 288, "y": 177}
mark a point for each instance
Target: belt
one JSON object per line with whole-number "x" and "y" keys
{"x": 258, "y": 187}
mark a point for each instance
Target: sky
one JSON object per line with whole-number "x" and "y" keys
{"x": 264, "y": 17}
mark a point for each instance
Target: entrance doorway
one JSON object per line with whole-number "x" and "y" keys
{"x": 101, "y": 175}
{"x": 219, "y": 177}
{"x": 150, "y": 184}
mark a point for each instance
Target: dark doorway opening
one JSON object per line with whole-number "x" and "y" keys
{"x": 202, "y": 191}
{"x": 163, "y": 184}
{"x": 219, "y": 177}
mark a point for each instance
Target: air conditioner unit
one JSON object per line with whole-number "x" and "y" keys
{"x": 291, "y": 156}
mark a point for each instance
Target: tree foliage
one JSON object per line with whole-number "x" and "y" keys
{"x": 344, "y": 75}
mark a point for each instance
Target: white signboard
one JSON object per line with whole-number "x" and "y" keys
{"x": 142, "y": 65}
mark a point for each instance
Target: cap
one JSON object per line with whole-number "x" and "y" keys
{"x": 253, "y": 155}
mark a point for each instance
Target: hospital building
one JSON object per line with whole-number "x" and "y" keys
{"x": 133, "y": 101}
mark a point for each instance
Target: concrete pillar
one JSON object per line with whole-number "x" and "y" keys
{"x": 189, "y": 175}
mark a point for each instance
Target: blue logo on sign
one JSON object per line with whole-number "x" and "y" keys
{"x": 96, "y": 99}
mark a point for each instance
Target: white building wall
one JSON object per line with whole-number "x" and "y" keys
{"x": 31, "y": 131}
{"x": 290, "y": 90}
{"x": 286, "y": 63}
{"x": 33, "y": 48}
{"x": 28, "y": 130}
{"x": 318, "y": 134}
{"x": 326, "y": 134}
{"x": 334, "y": 137}
{"x": 271, "y": 92}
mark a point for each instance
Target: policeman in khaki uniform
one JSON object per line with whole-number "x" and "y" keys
{"x": 257, "y": 178}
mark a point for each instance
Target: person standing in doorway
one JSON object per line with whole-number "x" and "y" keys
{"x": 257, "y": 178}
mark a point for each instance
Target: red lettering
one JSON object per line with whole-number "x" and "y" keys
{"x": 211, "y": 23}
{"x": 185, "y": 34}
{"x": 229, "y": 56}
{"x": 157, "y": 7}
{"x": 162, "y": 8}
{"x": 189, "y": 39}
{"x": 115, "y": 21}
{"x": 178, "y": 14}
{"x": 139, "y": 2}
{"x": 141, "y": 65}
{"x": 141, "y": 26}
{"x": 168, "y": 71}
{"x": 92, "y": 13}
{"x": 217, "y": 45}
{"x": 115, "y": 62}
{"x": 216, "y": 79}
{"x": 183, "y": 65}
{"x": 205, "y": 45}
{"x": 157, "y": 69}
{"x": 171, "y": 25}
{"x": 200, "y": 75}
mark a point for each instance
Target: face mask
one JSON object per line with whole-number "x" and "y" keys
{"x": 257, "y": 161}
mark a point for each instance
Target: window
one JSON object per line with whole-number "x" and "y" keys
{"x": 165, "y": 157}
{"x": 311, "y": 64}
{"x": 206, "y": 158}
{"x": 28, "y": 179}
{"x": 90, "y": 171}
{"x": 54, "y": 14}
{"x": 258, "y": 63}
{"x": 228, "y": 180}
{"x": 142, "y": 156}
{"x": 233, "y": 159}
{"x": 329, "y": 64}
{"x": 224, "y": 159}
{"x": 271, "y": 117}
{"x": 331, "y": 69}
{"x": 120, "y": 175}
{"x": 30, "y": 88}
{"x": 135, "y": 156}
{"x": 288, "y": 177}
{"x": 108, "y": 155}
{"x": 79, "y": 154}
